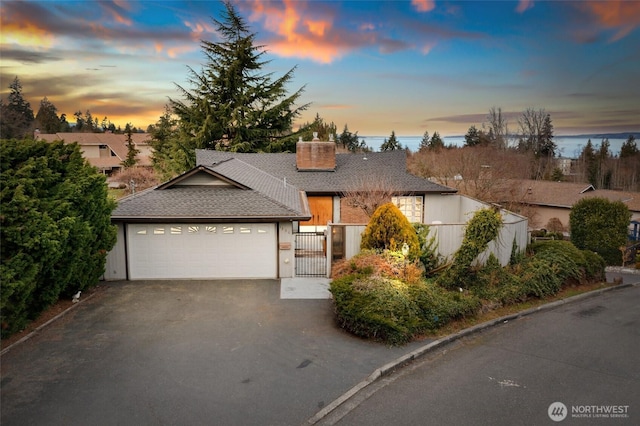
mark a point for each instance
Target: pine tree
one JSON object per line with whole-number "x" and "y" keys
{"x": 472, "y": 138}
{"x": 424, "y": 142}
{"x": 232, "y": 105}
{"x": 436, "y": 143}
{"x": 132, "y": 151}
{"x": 16, "y": 115}
{"x": 391, "y": 144}
{"x": 47, "y": 119}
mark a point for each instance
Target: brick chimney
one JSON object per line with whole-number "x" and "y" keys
{"x": 315, "y": 155}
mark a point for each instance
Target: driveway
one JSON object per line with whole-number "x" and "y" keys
{"x": 186, "y": 352}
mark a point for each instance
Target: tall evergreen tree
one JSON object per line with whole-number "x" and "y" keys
{"x": 47, "y": 119}
{"x": 132, "y": 151}
{"x": 391, "y": 144}
{"x": 629, "y": 148}
{"x": 424, "y": 142}
{"x": 436, "y": 143}
{"x": 472, "y": 137}
{"x": 233, "y": 105}
{"x": 16, "y": 115}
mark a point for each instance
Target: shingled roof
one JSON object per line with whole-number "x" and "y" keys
{"x": 244, "y": 194}
{"x": 351, "y": 169}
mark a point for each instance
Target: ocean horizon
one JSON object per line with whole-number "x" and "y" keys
{"x": 568, "y": 146}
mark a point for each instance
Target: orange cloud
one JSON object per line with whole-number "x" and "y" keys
{"x": 524, "y": 5}
{"x": 615, "y": 14}
{"x": 298, "y": 35}
{"x": 423, "y": 5}
{"x": 23, "y": 31}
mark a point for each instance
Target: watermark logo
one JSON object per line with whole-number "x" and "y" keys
{"x": 557, "y": 411}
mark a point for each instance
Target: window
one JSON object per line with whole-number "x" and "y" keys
{"x": 158, "y": 230}
{"x": 245, "y": 230}
{"x": 411, "y": 207}
{"x": 141, "y": 231}
{"x": 211, "y": 229}
{"x": 194, "y": 229}
{"x": 176, "y": 230}
{"x": 227, "y": 230}
{"x": 262, "y": 230}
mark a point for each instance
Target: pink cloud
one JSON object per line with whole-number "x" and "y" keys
{"x": 524, "y": 5}
{"x": 619, "y": 15}
{"x": 423, "y": 5}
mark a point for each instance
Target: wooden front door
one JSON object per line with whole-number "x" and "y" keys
{"x": 321, "y": 211}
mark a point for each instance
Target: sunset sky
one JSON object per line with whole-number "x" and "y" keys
{"x": 378, "y": 66}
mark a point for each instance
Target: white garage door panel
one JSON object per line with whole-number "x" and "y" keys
{"x": 164, "y": 251}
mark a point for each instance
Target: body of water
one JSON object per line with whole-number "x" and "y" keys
{"x": 568, "y": 146}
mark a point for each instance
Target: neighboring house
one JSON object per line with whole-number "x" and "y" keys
{"x": 264, "y": 215}
{"x": 547, "y": 200}
{"x": 106, "y": 151}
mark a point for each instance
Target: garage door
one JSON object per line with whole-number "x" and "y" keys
{"x": 199, "y": 251}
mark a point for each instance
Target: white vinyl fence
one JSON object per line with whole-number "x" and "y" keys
{"x": 448, "y": 234}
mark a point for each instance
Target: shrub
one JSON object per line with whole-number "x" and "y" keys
{"x": 594, "y": 266}
{"x": 540, "y": 277}
{"x": 600, "y": 225}
{"x": 481, "y": 229}
{"x": 384, "y": 264}
{"x": 438, "y": 306}
{"x": 375, "y": 307}
{"x": 56, "y": 227}
{"x": 389, "y": 229}
{"x": 428, "y": 248}
{"x": 568, "y": 260}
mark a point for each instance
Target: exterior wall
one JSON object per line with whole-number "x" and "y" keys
{"x": 286, "y": 250}
{"x": 90, "y": 151}
{"x": 350, "y": 214}
{"x": 116, "y": 264}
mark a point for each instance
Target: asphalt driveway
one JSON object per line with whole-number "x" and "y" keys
{"x": 186, "y": 352}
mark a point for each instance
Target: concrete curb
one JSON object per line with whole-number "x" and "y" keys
{"x": 423, "y": 350}
{"x": 36, "y": 330}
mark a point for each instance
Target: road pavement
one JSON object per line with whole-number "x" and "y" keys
{"x": 583, "y": 354}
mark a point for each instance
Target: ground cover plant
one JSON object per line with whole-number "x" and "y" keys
{"x": 381, "y": 295}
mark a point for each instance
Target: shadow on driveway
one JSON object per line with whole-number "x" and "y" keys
{"x": 186, "y": 352}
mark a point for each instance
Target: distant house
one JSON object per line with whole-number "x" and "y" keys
{"x": 549, "y": 200}
{"x": 269, "y": 215}
{"x": 105, "y": 151}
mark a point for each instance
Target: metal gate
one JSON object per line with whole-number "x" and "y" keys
{"x": 310, "y": 254}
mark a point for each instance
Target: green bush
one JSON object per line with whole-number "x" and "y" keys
{"x": 540, "y": 277}
{"x": 429, "y": 256}
{"x": 567, "y": 258}
{"x": 375, "y": 307}
{"x": 56, "y": 227}
{"x": 594, "y": 266}
{"x": 389, "y": 229}
{"x": 481, "y": 229}
{"x": 600, "y": 225}
{"x": 438, "y": 306}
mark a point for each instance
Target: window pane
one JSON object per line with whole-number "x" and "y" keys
{"x": 194, "y": 229}
{"x": 176, "y": 230}
{"x": 142, "y": 231}
{"x": 245, "y": 230}
{"x": 158, "y": 231}
{"x": 211, "y": 229}
{"x": 227, "y": 229}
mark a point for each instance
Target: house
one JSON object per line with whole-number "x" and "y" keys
{"x": 237, "y": 215}
{"x": 105, "y": 151}
{"x": 547, "y": 200}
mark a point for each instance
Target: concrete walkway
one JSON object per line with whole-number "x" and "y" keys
{"x": 305, "y": 288}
